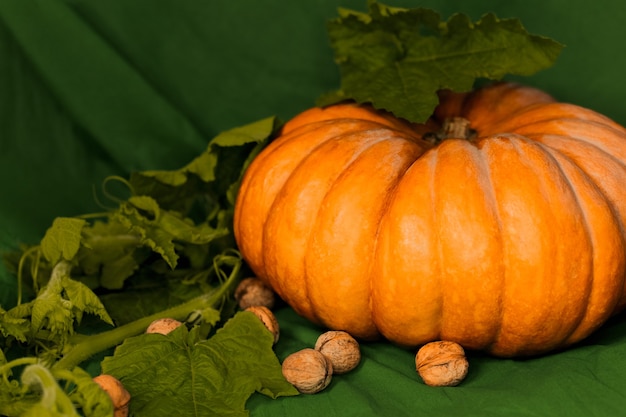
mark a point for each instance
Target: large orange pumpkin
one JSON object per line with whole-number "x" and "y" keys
{"x": 511, "y": 240}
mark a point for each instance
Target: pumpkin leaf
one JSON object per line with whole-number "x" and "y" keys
{"x": 159, "y": 229}
{"x": 62, "y": 239}
{"x": 212, "y": 173}
{"x": 184, "y": 374}
{"x": 11, "y": 325}
{"x": 398, "y": 59}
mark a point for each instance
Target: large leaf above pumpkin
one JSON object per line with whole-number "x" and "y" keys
{"x": 397, "y": 59}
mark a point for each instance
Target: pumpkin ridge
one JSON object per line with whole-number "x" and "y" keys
{"x": 436, "y": 221}
{"x": 326, "y": 129}
{"x": 383, "y": 212}
{"x": 608, "y": 175}
{"x": 542, "y": 114}
{"x": 575, "y": 137}
{"x": 541, "y": 138}
{"x": 562, "y": 291}
{"x": 306, "y": 280}
{"x": 258, "y": 170}
{"x": 439, "y": 169}
{"x": 600, "y": 150}
{"x": 336, "y": 144}
{"x": 546, "y": 151}
{"x": 581, "y": 208}
{"x": 493, "y": 128}
{"x": 505, "y": 295}
{"x": 617, "y": 215}
{"x": 560, "y": 159}
{"x": 489, "y": 190}
{"x": 389, "y": 135}
{"x": 311, "y": 312}
{"x": 490, "y": 105}
{"x": 399, "y": 312}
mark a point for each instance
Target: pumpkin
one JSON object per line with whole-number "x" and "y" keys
{"x": 506, "y": 236}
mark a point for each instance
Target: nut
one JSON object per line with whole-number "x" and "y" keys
{"x": 441, "y": 364}
{"x": 116, "y": 391}
{"x": 267, "y": 318}
{"x": 254, "y": 292}
{"x": 308, "y": 370}
{"x": 163, "y": 326}
{"x": 341, "y": 349}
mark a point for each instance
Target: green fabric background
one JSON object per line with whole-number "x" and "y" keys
{"x": 94, "y": 88}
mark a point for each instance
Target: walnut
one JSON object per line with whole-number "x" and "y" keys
{"x": 307, "y": 370}
{"x": 163, "y": 326}
{"x": 116, "y": 391}
{"x": 341, "y": 349}
{"x": 267, "y": 318}
{"x": 441, "y": 364}
{"x": 254, "y": 292}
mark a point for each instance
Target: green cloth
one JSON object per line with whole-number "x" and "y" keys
{"x": 96, "y": 88}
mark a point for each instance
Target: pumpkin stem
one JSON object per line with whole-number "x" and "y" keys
{"x": 452, "y": 128}
{"x": 457, "y": 128}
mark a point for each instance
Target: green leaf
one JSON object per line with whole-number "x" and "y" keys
{"x": 86, "y": 394}
{"x": 52, "y": 312}
{"x": 160, "y": 229}
{"x": 12, "y": 326}
{"x": 397, "y": 59}
{"x": 83, "y": 300}
{"x": 62, "y": 240}
{"x": 147, "y": 296}
{"x": 62, "y": 303}
{"x": 108, "y": 253}
{"x": 204, "y": 165}
{"x": 179, "y": 374}
{"x": 142, "y": 217}
{"x": 232, "y": 162}
{"x": 206, "y": 179}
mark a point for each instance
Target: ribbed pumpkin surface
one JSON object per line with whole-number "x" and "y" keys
{"x": 512, "y": 242}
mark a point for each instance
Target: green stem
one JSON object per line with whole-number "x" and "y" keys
{"x": 93, "y": 344}
{"x": 17, "y": 362}
{"x": 52, "y": 397}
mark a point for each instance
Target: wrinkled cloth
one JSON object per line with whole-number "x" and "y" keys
{"x": 96, "y": 88}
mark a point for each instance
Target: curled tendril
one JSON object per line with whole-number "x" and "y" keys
{"x": 35, "y": 252}
{"x": 109, "y": 195}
